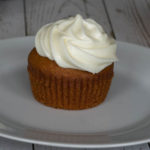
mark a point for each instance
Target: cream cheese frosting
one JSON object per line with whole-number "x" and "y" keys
{"x": 76, "y": 43}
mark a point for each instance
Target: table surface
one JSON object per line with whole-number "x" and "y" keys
{"x": 126, "y": 20}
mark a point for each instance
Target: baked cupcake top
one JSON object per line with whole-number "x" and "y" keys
{"x": 76, "y": 43}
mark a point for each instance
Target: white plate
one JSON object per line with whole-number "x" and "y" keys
{"x": 123, "y": 119}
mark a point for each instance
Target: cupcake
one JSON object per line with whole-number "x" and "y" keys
{"x": 71, "y": 65}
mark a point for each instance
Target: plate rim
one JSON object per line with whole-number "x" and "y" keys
{"x": 71, "y": 145}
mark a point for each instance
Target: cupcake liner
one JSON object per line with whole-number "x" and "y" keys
{"x": 69, "y": 93}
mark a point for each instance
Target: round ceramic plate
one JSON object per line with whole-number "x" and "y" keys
{"x": 123, "y": 119}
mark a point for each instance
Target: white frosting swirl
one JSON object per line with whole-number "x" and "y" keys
{"x": 76, "y": 43}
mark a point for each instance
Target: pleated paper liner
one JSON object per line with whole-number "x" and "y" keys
{"x": 70, "y": 93}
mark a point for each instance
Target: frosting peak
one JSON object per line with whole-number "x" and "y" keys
{"x": 76, "y": 43}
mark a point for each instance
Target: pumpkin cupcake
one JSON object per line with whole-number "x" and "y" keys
{"x": 71, "y": 66}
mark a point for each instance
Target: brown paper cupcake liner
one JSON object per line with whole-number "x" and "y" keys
{"x": 67, "y": 93}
